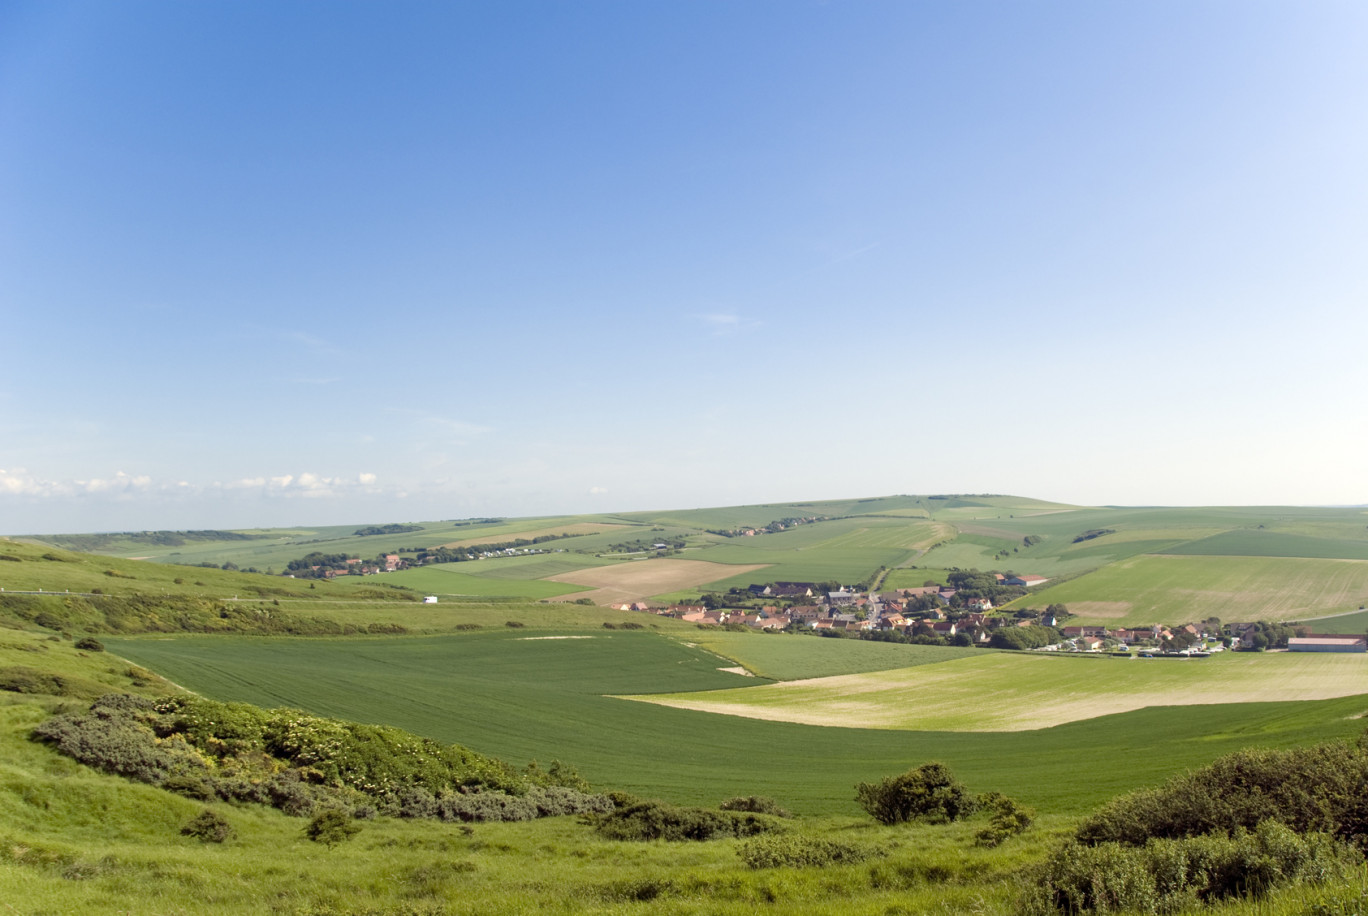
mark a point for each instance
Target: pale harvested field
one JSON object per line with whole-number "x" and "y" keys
{"x": 1018, "y": 691}
{"x": 637, "y": 580}
{"x": 576, "y": 528}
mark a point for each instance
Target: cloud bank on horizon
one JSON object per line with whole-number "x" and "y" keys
{"x": 265, "y": 265}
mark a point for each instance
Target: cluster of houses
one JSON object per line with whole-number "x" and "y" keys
{"x": 856, "y": 611}
{"x": 355, "y": 566}
{"x": 859, "y": 612}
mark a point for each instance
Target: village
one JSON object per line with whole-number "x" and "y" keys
{"x": 944, "y": 615}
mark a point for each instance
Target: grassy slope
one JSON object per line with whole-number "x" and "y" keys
{"x": 536, "y": 700}
{"x": 75, "y": 841}
{"x": 79, "y": 842}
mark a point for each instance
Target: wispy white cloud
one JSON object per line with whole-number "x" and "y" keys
{"x": 723, "y": 323}
{"x": 311, "y": 342}
{"x": 306, "y": 485}
{"x": 18, "y": 482}
{"x": 597, "y": 491}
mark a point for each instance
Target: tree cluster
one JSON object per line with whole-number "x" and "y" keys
{"x": 373, "y": 530}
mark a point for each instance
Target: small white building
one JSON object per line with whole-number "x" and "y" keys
{"x": 430, "y": 599}
{"x": 1328, "y": 644}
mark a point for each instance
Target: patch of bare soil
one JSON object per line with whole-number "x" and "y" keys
{"x": 637, "y": 580}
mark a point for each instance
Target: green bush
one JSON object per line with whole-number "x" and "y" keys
{"x": 208, "y": 827}
{"x": 758, "y": 804}
{"x": 1006, "y": 819}
{"x": 929, "y": 793}
{"x": 652, "y": 820}
{"x": 90, "y": 644}
{"x": 332, "y": 827}
{"x": 797, "y": 851}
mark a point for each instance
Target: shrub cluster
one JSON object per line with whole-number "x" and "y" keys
{"x": 929, "y": 793}
{"x": 302, "y": 764}
{"x": 758, "y": 804}
{"x": 1320, "y": 788}
{"x": 797, "y": 851}
{"x": 1168, "y": 875}
{"x": 1006, "y": 819}
{"x": 641, "y": 820}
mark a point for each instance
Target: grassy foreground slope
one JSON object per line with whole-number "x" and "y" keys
{"x": 521, "y": 700}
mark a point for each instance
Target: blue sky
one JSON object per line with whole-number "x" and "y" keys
{"x": 306, "y": 263}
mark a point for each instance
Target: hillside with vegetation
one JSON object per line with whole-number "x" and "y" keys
{"x": 168, "y": 730}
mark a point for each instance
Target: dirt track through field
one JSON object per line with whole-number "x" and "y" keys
{"x": 1017, "y": 692}
{"x": 636, "y": 580}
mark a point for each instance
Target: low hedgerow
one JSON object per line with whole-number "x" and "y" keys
{"x": 1168, "y": 875}
{"x": 793, "y": 850}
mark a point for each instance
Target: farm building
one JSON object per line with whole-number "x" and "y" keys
{"x": 1328, "y": 644}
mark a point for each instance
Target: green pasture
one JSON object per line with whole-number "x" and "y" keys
{"x": 451, "y": 579}
{"x": 790, "y": 656}
{"x": 1255, "y": 542}
{"x": 535, "y": 566}
{"x": 1175, "y": 589}
{"x": 1037, "y": 690}
{"x": 539, "y": 699}
{"x": 28, "y": 567}
{"x": 913, "y": 577}
{"x": 846, "y": 565}
{"x": 1352, "y": 623}
{"x": 805, "y": 537}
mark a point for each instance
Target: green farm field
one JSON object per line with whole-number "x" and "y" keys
{"x": 785, "y": 657}
{"x": 1177, "y": 589}
{"x": 451, "y": 579}
{"x": 1247, "y": 542}
{"x": 524, "y": 699}
{"x": 1035, "y": 690}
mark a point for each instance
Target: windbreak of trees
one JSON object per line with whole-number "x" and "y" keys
{"x": 774, "y": 527}
{"x": 1024, "y": 637}
{"x": 386, "y": 529}
{"x": 974, "y": 584}
{"x": 479, "y": 551}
